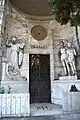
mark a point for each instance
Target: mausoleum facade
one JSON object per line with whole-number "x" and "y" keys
{"x": 30, "y": 63}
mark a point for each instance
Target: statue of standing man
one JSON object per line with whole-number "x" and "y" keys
{"x": 63, "y": 58}
{"x": 71, "y": 53}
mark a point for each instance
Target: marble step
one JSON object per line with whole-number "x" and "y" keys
{"x": 67, "y": 116}
{"x": 68, "y": 78}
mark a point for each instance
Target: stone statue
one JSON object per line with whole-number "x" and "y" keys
{"x": 16, "y": 55}
{"x": 63, "y": 57}
{"x": 16, "y": 59}
{"x": 12, "y": 74}
{"x": 71, "y": 53}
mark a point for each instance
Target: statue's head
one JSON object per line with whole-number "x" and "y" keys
{"x": 14, "y": 39}
{"x": 62, "y": 43}
{"x": 69, "y": 44}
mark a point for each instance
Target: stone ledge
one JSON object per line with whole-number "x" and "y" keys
{"x": 17, "y": 86}
{"x": 66, "y": 81}
{"x": 68, "y": 78}
{"x": 17, "y": 82}
{"x": 65, "y": 116}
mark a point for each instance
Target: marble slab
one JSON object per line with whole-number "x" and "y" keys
{"x": 68, "y": 78}
{"x": 71, "y": 101}
{"x": 14, "y": 104}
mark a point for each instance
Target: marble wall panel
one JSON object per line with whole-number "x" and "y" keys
{"x": 14, "y": 105}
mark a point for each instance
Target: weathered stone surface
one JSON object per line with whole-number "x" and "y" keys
{"x": 60, "y": 87}
{"x": 17, "y": 86}
{"x": 11, "y": 104}
{"x": 66, "y": 116}
{"x": 55, "y": 33}
{"x": 68, "y": 78}
{"x": 18, "y": 25}
{"x": 2, "y": 4}
{"x": 71, "y": 101}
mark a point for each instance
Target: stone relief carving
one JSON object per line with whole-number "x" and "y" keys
{"x": 15, "y": 59}
{"x": 67, "y": 56}
{"x": 12, "y": 74}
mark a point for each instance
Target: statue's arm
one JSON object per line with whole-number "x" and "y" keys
{"x": 59, "y": 54}
{"x": 74, "y": 52}
{"x": 22, "y": 45}
{"x": 7, "y": 69}
{"x": 8, "y": 44}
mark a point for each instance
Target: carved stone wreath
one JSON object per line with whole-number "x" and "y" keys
{"x": 39, "y": 32}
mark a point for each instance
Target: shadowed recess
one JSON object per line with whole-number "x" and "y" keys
{"x": 33, "y": 7}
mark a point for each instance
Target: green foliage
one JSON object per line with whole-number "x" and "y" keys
{"x": 66, "y": 10}
{"x": 2, "y": 91}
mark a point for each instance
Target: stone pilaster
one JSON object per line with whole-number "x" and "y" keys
{"x": 2, "y": 11}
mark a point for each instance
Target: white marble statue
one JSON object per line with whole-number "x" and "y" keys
{"x": 16, "y": 55}
{"x": 64, "y": 58}
{"x": 12, "y": 74}
{"x": 71, "y": 53}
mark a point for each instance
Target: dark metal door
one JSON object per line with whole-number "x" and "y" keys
{"x": 39, "y": 78}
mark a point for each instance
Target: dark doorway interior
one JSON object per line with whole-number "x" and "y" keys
{"x": 39, "y": 75}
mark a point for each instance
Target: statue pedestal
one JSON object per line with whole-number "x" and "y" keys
{"x": 68, "y": 78}
{"x": 61, "y": 93}
{"x": 71, "y": 101}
